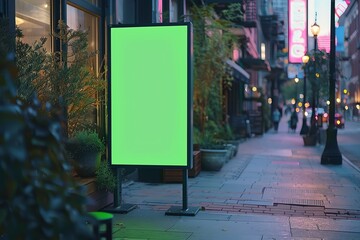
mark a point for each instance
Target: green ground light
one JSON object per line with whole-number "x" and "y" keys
{"x": 149, "y": 92}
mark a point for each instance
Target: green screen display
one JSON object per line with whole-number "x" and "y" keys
{"x": 149, "y": 95}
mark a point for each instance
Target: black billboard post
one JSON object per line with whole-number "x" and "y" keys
{"x": 331, "y": 153}
{"x": 304, "y": 128}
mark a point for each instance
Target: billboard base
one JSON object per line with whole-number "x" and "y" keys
{"x": 179, "y": 211}
{"x": 184, "y": 210}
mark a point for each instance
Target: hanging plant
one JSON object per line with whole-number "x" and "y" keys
{"x": 234, "y": 12}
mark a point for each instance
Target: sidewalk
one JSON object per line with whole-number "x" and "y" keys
{"x": 275, "y": 188}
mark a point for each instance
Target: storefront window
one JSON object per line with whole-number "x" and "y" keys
{"x": 78, "y": 19}
{"x": 33, "y": 18}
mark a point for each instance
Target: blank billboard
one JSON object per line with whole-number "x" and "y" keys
{"x": 150, "y": 95}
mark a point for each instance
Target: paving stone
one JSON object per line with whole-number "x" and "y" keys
{"x": 277, "y": 211}
{"x": 150, "y": 234}
{"x": 282, "y": 206}
{"x": 213, "y": 208}
{"x": 231, "y": 201}
{"x": 318, "y": 213}
{"x": 231, "y": 229}
{"x": 328, "y": 235}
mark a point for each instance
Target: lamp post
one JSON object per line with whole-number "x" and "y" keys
{"x": 304, "y": 128}
{"x": 331, "y": 153}
{"x": 296, "y": 79}
{"x": 315, "y": 29}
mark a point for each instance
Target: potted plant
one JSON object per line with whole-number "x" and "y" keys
{"x": 228, "y": 138}
{"x": 213, "y": 158}
{"x": 85, "y": 149}
{"x": 214, "y": 153}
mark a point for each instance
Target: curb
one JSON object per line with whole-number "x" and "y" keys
{"x": 350, "y": 163}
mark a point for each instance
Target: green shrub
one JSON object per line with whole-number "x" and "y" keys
{"x": 65, "y": 77}
{"x": 212, "y": 46}
{"x": 105, "y": 179}
{"x": 39, "y": 199}
{"x": 85, "y": 141}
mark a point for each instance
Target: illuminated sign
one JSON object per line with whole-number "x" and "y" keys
{"x": 150, "y": 95}
{"x": 297, "y": 30}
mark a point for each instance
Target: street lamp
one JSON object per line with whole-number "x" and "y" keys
{"x": 315, "y": 29}
{"x": 331, "y": 153}
{"x": 296, "y": 79}
{"x": 304, "y": 128}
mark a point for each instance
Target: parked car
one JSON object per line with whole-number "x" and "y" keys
{"x": 339, "y": 120}
{"x": 321, "y": 112}
{"x": 325, "y": 117}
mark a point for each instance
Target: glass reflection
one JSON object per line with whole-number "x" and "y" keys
{"x": 78, "y": 19}
{"x": 33, "y": 18}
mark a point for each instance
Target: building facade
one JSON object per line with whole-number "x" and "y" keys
{"x": 350, "y": 71}
{"x": 39, "y": 18}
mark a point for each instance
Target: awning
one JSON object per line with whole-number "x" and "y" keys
{"x": 256, "y": 64}
{"x": 276, "y": 73}
{"x": 238, "y": 72}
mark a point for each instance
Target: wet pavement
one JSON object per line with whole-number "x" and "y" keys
{"x": 274, "y": 188}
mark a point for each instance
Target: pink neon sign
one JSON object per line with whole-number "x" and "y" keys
{"x": 297, "y": 30}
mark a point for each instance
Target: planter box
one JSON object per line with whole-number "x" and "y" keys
{"x": 309, "y": 140}
{"x": 195, "y": 170}
{"x": 175, "y": 175}
{"x": 322, "y": 136}
{"x": 98, "y": 199}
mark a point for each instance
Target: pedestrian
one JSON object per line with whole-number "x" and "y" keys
{"x": 293, "y": 121}
{"x": 287, "y": 110}
{"x": 281, "y": 111}
{"x": 276, "y": 119}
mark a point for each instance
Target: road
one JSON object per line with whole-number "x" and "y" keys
{"x": 349, "y": 141}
